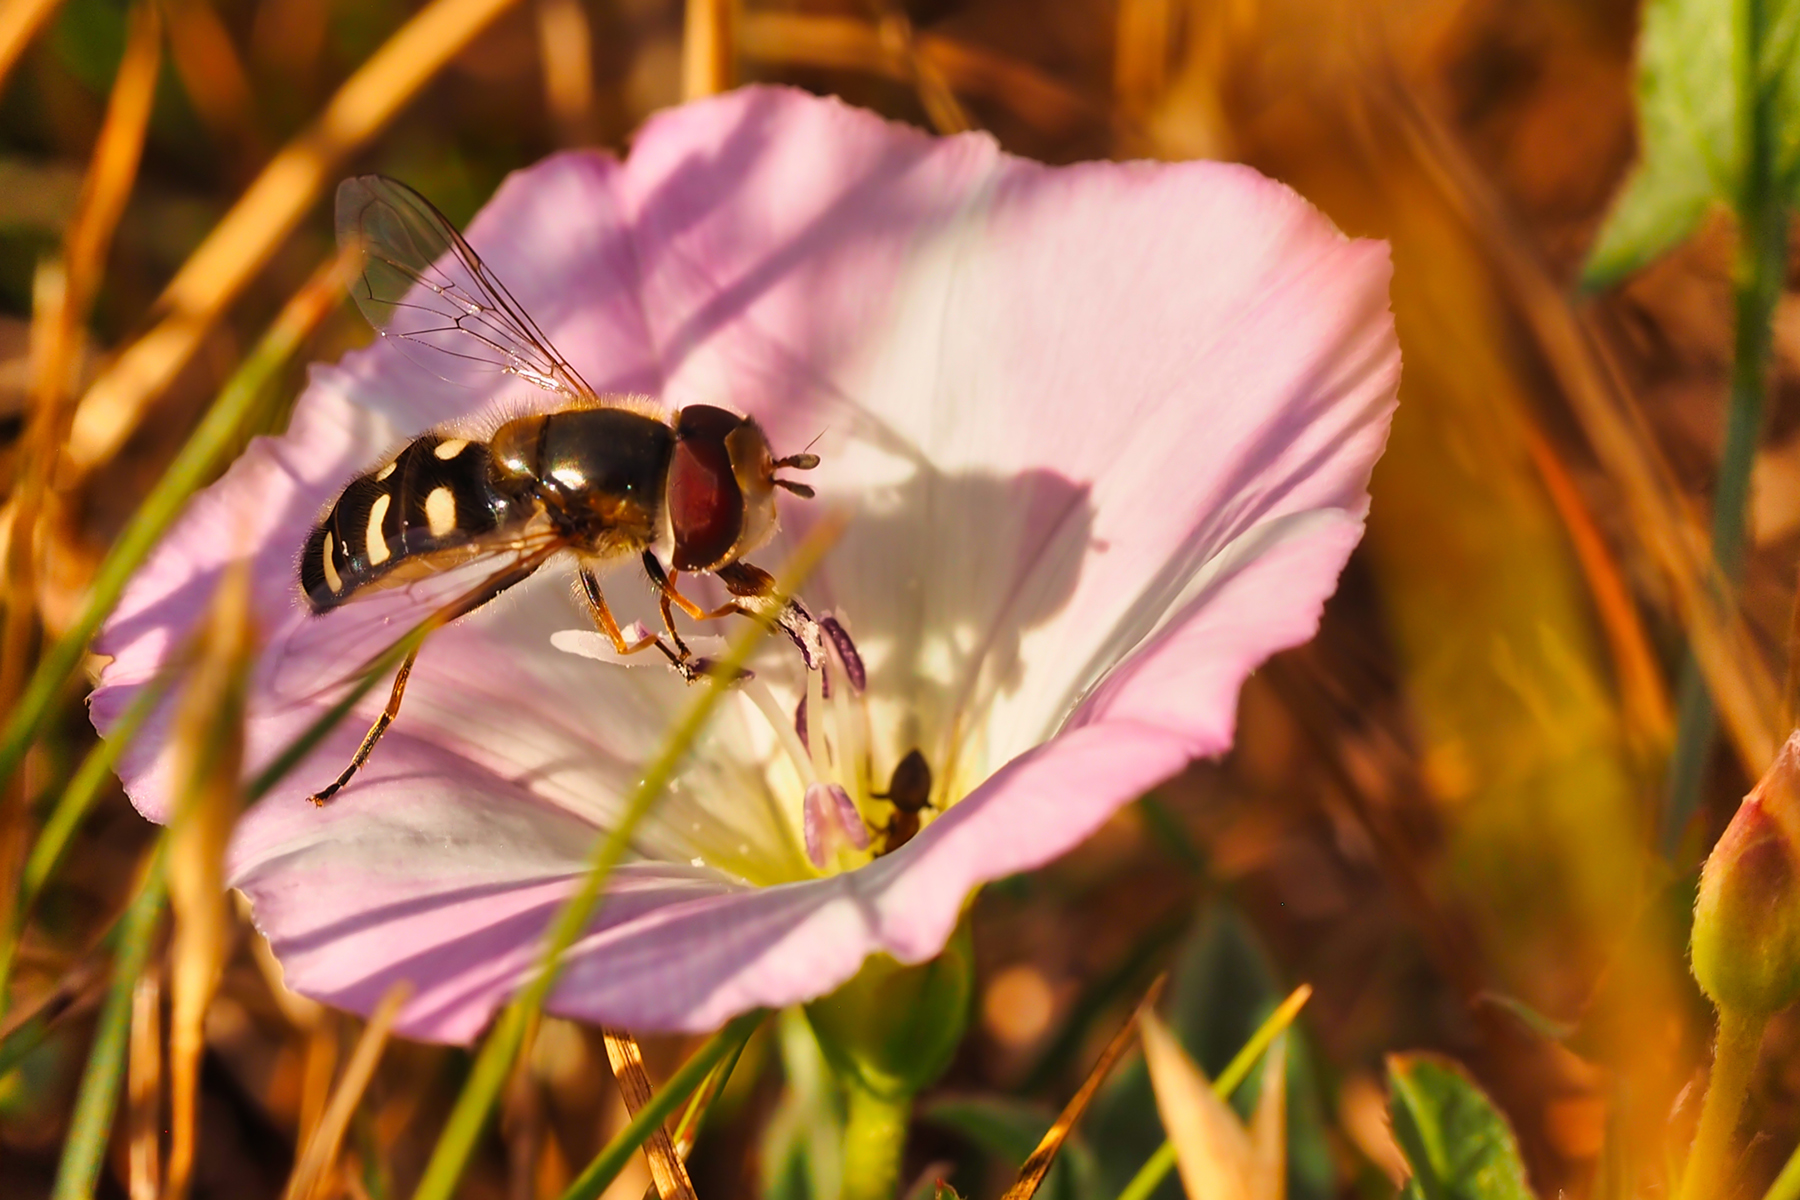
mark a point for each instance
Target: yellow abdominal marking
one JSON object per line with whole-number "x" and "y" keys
{"x": 374, "y": 543}
{"x": 440, "y": 510}
{"x": 386, "y": 471}
{"x": 450, "y": 449}
{"x": 333, "y": 580}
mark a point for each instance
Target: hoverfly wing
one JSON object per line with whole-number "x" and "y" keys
{"x": 449, "y": 583}
{"x": 424, "y": 287}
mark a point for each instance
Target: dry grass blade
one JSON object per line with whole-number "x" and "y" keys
{"x": 1037, "y": 1167}
{"x": 208, "y": 737}
{"x": 1742, "y": 684}
{"x": 1790, "y": 688}
{"x": 62, "y": 310}
{"x": 143, "y": 1089}
{"x": 19, "y": 22}
{"x": 1141, "y": 54}
{"x": 75, "y": 992}
{"x": 315, "y": 1075}
{"x": 666, "y": 1168}
{"x": 850, "y": 44}
{"x": 264, "y": 215}
{"x": 321, "y": 1149}
{"x": 707, "y": 48}
{"x": 211, "y": 71}
{"x": 895, "y": 31}
{"x": 1212, "y": 1150}
{"x": 566, "y": 47}
{"x": 1268, "y": 1127}
{"x": 1642, "y": 691}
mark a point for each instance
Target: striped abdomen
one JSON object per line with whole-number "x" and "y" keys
{"x": 437, "y": 494}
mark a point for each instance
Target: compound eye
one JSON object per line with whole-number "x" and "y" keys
{"x": 706, "y": 507}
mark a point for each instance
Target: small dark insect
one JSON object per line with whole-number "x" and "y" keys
{"x": 909, "y": 791}
{"x": 602, "y": 478}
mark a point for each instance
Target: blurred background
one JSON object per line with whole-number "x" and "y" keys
{"x": 1446, "y": 814}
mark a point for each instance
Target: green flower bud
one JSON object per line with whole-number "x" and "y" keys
{"x": 1746, "y": 940}
{"x": 893, "y": 1029}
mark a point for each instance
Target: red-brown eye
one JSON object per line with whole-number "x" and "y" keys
{"x": 706, "y": 507}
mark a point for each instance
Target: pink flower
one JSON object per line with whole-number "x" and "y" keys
{"x": 1104, "y": 432}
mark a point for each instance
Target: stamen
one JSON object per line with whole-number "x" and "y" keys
{"x": 829, "y": 820}
{"x": 847, "y": 723}
{"x": 800, "y": 723}
{"x": 839, "y": 638}
{"x": 815, "y": 704}
{"x": 765, "y": 701}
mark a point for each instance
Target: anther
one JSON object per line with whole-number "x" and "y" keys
{"x": 846, "y": 652}
{"x": 800, "y": 710}
{"x": 798, "y": 624}
{"x": 829, "y": 820}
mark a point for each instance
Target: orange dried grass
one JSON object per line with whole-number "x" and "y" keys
{"x": 851, "y": 44}
{"x": 1037, "y": 1167}
{"x": 144, "y": 1070}
{"x": 62, "y": 309}
{"x": 19, "y": 22}
{"x": 667, "y": 1170}
{"x": 208, "y": 738}
{"x": 312, "y": 1169}
{"x": 1747, "y": 694}
{"x": 707, "y": 48}
{"x": 264, "y": 215}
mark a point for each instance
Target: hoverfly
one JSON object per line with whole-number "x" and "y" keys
{"x": 603, "y": 478}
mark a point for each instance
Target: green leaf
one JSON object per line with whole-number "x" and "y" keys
{"x": 1690, "y": 134}
{"x": 1698, "y": 123}
{"x": 1458, "y": 1144}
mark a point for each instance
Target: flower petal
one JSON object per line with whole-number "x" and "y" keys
{"x": 1107, "y": 430}
{"x": 1056, "y": 393}
{"x": 430, "y": 873}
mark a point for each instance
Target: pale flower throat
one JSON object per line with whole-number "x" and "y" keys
{"x": 845, "y": 822}
{"x": 815, "y": 762}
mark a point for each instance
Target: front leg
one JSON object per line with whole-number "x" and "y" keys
{"x": 755, "y": 590}
{"x": 598, "y": 609}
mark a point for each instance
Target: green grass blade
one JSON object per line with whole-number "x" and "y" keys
{"x": 91, "y": 1124}
{"x": 217, "y": 436}
{"x": 59, "y": 828}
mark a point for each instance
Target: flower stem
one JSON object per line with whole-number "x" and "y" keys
{"x": 1734, "y": 1057}
{"x": 874, "y": 1139}
{"x": 1757, "y": 280}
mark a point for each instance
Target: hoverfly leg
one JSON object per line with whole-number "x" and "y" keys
{"x": 466, "y": 604}
{"x": 324, "y": 795}
{"x": 609, "y": 625}
{"x": 756, "y": 588}
{"x": 668, "y": 617}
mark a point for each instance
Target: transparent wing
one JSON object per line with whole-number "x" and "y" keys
{"x": 424, "y": 287}
{"x": 318, "y": 654}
